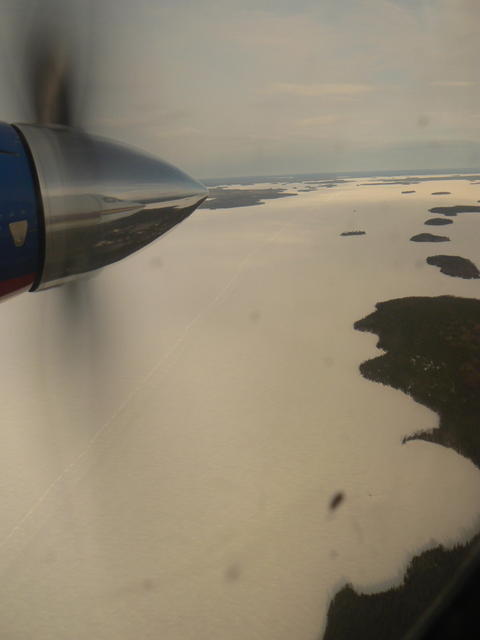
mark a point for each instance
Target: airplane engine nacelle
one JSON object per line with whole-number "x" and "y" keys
{"x": 72, "y": 203}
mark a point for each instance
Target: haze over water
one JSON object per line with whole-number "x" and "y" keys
{"x": 176, "y": 445}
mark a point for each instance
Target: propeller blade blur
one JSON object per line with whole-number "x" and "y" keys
{"x": 77, "y": 202}
{"x": 49, "y": 66}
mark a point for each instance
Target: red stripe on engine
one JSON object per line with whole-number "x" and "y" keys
{"x": 16, "y": 285}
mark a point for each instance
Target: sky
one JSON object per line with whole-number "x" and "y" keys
{"x": 242, "y": 87}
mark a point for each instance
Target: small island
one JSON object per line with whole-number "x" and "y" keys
{"x": 410, "y": 180}
{"x": 410, "y": 191}
{"x": 455, "y": 266}
{"x": 438, "y": 221}
{"x": 353, "y": 233}
{"x": 429, "y": 237}
{"x": 382, "y": 183}
{"x": 454, "y": 210}
{"x": 441, "y": 193}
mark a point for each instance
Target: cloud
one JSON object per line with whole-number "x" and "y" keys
{"x": 254, "y": 86}
{"x": 143, "y": 117}
{"x": 319, "y": 121}
{"x": 319, "y": 89}
{"x": 181, "y": 132}
{"x": 454, "y": 84}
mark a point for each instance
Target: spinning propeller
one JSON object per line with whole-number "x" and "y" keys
{"x": 71, "y": 202}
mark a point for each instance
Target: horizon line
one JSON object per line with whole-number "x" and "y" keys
{"x": 358, "y": 173}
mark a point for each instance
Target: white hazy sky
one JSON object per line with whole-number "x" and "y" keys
{"x": 246, "y": 87}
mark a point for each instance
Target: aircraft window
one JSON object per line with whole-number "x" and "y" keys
{"x": 264, "y": 423}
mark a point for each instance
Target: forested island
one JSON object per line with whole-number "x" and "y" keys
{"x": 429, "y": 237}
{"x": 392, "y": 614}
{"x": 455, "y": 266}
{"x": 455, "y": 209}
{"x": 432, "y": 353}
{"x": 438, "y": 221}
{"x": 353, "y": 233}
{"x": 221, "y": 198}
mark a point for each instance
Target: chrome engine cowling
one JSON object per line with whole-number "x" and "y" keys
{"x": 98, "y": 201}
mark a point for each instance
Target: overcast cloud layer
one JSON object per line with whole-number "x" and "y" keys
{"x": 243, "y": 88}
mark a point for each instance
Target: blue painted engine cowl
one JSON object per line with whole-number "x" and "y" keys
{"x": 20, "y": 216}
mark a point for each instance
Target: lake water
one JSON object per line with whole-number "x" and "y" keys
{"x": 174, "y": 430}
